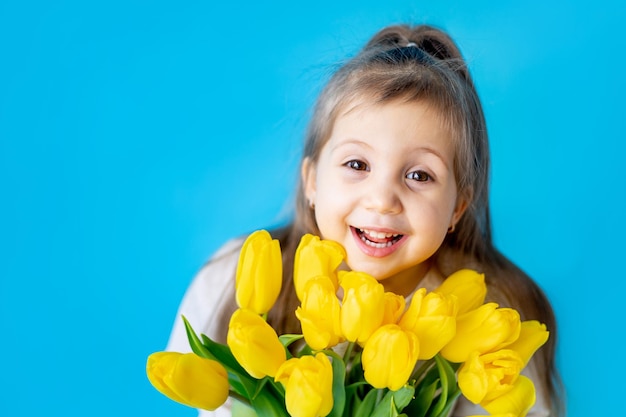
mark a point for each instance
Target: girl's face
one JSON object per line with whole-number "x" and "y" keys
{"x": 384, "y": 187}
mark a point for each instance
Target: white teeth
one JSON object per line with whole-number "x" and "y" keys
{"x": 378, "y": 235}
{"x": 375, "y": 245}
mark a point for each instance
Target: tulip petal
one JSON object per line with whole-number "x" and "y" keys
{"x": 389, "y": 357}
{"x": 473, "y": 379}
{"x": 432, "y": 317}
{"x": 485, "y": 329}
{"x": 517, "y": 401}
{"x": 308, "y": 383}
{"x": 532, "y": 336}
{"x": 319, "y": 314}
{"x": 255, "y": 344}
{"x": 363, "y": 307}
{"x": 189, "y": 379}
{"x": 258, "y": 279}
{"x": 315, "y": 257}
{"x": 468, "y": 286}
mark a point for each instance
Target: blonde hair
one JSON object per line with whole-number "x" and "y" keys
{"x": 423, "y": 63}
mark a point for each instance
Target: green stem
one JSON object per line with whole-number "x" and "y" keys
{"x": 348, "y": 353}
{"x": 417, "y": 375}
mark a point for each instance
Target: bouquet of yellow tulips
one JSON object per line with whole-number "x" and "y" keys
{"x": 366, "y": 354}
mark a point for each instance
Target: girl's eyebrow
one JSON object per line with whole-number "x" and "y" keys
{"x": 439, "y": 156}
{"x": 352, "y": 141}
{"x": 421, "y": 149}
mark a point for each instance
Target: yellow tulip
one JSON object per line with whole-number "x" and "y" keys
{"x": 496, "y": 415}
{"x": 389, "y": 357}
{"x": 394, "y": 308}
{"x": 188, "y": 379}
{"x": 432, "y": 317}
{"x": 516, "y": 402}
{"x": 532, "y": 336}
{"x": 308, "y": 383}
{"x": 485, "y": 329}
{"x": 259, "y": 274}
{"x": 315, "y": 257}
{"x": 485, "y": 377}
{"x": 319, "y": 314}
{"x": 363, "y": 305}
{"x": 254, "y": 344}
{"x": 468, "y": 286}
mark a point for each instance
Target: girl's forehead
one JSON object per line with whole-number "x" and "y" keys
{"x": 367, "y": 104}
{"x": 404, "y": 126}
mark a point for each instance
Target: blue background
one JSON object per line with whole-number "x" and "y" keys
{"x": 136, "y": 137}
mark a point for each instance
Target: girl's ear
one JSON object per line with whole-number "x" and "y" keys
{"x": 307, "y": 173}
{"x": 462, "y": 202}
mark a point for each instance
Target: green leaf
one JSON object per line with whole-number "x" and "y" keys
{"x": 288, "y": 339}
{"x": 393, "y": 402}
{"x": 446, "y": 368}
{"x": 339, "y": 389}
{"x": 403, "y": 396}
{"x": 354, "y": 403}
{"x": 385, "y": 407}
{"x": 423, "y": 399}
{"x": 276, "y": 387}
{"x": 367, "y": 405}
{"x": 448, "y": 386}
{"x": 451, "y": 400}
{"x": 259, "y": 387}
{"x": 223, "y": 354}
{"x": 267, "y": 405}
{"x": 241, "y": 387}
{"x": 196, "y": 345}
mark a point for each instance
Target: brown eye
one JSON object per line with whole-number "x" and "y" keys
{"x": 356, "y": 165}
{"x": 421, "y": 176}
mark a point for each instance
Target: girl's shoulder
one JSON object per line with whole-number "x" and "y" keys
{"x": 226, "y": 252}
{"x": 219, "y": 268}
{"x": 210, "y": 292}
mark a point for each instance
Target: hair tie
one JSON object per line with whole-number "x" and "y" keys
{"x": 410, "y": 52}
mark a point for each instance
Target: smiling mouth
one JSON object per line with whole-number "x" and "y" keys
{"x": 376, "y": 239}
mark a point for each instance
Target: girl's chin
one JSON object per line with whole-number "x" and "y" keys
{"x": 377, "y": 271}
{"x": 401, "y": 281}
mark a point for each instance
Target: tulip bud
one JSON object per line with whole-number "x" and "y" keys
{"x": 319, "y": 314}
{"x": 259, "y": 274}
{"x": 363, "y": 306}
{"x": 485, "y": 329}
{"x": 432, "y": 317}
{"x": 469, "y": 288}
{"x": 308, "y": 383}
{"x": 394, "y": 308}
{"x": 485, "y": 377}
{"x": 188, "y": 379}
{"x": 255, "y": 344}
{"x": 389, "y": 357}
{"x": 315, "y": 257}
{"x": 518, "y": 401}
{"x": 532, "y": 336}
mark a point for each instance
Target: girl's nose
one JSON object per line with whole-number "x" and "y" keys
{"x": 382, "y": 197}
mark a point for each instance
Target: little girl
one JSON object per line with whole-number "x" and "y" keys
{"x": 395, "y": 168}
